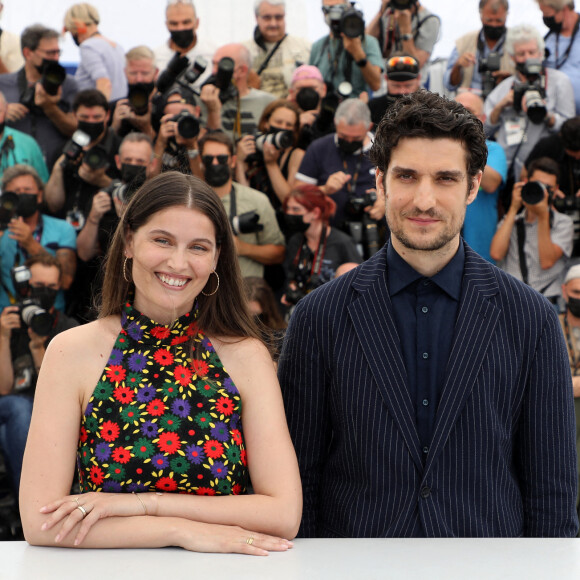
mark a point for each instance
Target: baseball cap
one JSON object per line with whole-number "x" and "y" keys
{"x": 306, "y": 71}
{"x": 402, "y": 68}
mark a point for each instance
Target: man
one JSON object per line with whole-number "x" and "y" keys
{"x": 481, "y": 216}
{"x": 22, "y": 350}
{"x": 570, "y": 321}
{"x": 338, "y": 163}
{"x": 259, "y": 241}
{"x": 134, "y": 112}
{"x": 31, "y": 232}
{"x": 239, "y": 114}
{"x": 416, "y": 386}
{"x": 10, "y": 54}
{"x": 341, "y": 58}
{"x": 403, "y": 78}
{"x": 17, "y": 147}
{"x": 562, "y": 44}
{"x": 31, "y": 109}
{"x": 508, "y": 120}
{"x": 75, "y": 178}
{"x": 275, "y": 54}
{"x": 468, "y": 66}
{"x": 182, "y": 23}
{"x": 534, "y": 245}
{"x": 412, "y": 30}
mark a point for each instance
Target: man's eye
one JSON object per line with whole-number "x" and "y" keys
{"x": 162, "y": 241}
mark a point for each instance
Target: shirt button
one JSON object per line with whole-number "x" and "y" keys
{"x": 426, "y": 283}
{"x": 424, "y": 310}
{"x": 425, "y": 355}
{"x": 425, "y": 450}
{"x": 425, "y": 402}
{"x": 425, "y": 492}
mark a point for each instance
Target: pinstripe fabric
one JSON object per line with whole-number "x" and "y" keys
{"x": 502, "y": 462}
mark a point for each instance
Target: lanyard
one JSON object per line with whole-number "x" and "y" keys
{"x": 351, "y": 184}
{"x": 559, "y": 62}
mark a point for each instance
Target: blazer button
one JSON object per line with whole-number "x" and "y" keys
{"x": 425, "y": 492}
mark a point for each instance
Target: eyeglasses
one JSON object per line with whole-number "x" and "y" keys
{"x": 51, "y": 53}
{"x": 221, "y": 159}
{"x": 268, "y": 17}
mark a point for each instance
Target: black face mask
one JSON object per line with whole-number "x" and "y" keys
{"x": 217, "y": 174}
{"x": 2, "y": 125}
{"x": 183, "y": 38}
{"x": 550, "y": 22}
{"x": 573, "y": 305}
{"x": 75, "y": 38}
{"x": 45, "y": 296}
{"x": 307, "y": 99}
{"x": 295, "y": 224}
{"x": 27, "y": 204}
{"x": 349, "y": 147}
{"x": 40, "y": 67}
{"x": 130, "y": 173}
{"x": 93, "y": 130}
{"x": 493, "y": 32}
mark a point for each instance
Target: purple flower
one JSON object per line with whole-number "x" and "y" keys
{"x": 123, "y": 318}
{"x": 159, "y": 461}
{"x": 181, "y": 408}
{"x": 206, "y": 342}
{"x": 220, "y": 431}
{"x": 135, "y": 331}
{"x": 219, "y": 469}
{"x": 102, "y": 451}
{"x": 136, "y": 487}
{"x": 230, "y": 387}
{"x": 89, "y": 409}
{"x": 111, "y": 485}
{"x": 115, "y": 357}
{"x": 146, "y": 394}
{"x": 137, "y": 362}
{"x": 149, "y": 429}
{"x": 194, "y": 454}
{"x": 235, "y": 421}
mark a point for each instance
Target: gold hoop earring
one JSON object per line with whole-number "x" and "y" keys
{"x": 216, "y": 288}
{"x": 125, "y": 270}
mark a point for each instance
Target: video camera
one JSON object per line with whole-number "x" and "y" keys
{"x": 246, "y": 223}
{"x": 344, "y": 19}
{"x": 31, "y": 313}
{"x": 532, "y": 92}
{"x": 486, "y": 67}
{"x": 179, "y": 72}
{"x": 53, "y": 76}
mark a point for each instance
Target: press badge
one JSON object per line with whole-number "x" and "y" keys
{"x": 76, "y": 219}
{"x": 515, "y": 130}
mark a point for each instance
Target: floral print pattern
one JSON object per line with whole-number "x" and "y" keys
{"x": 161, "y": 419}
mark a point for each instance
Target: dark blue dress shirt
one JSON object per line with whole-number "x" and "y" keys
{"x": 425, "y": 310}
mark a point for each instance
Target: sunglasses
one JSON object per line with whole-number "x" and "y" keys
{"x": 221, "y": 159}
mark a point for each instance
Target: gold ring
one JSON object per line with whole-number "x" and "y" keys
{"x": 250, "y": 540}
{"x": 83, "y": 510}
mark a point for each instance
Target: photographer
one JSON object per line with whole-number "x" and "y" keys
{"x": 87, "y": 164}
{"x": 257, "y": 238}
{"x": 347, "y": 54}
{"x": 22, "y": 351}
{"x": 534, "y": 244}
{"x": 530, "y": 105}
{"x": 405, "y": 26}
{"x": 40, "y": 94}
{"x": 134, "y": 112}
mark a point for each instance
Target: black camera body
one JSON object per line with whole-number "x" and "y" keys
{"x": 53, "y": 76}
{"x": 294, "y": 295}
{"x": 360, "y": 226}
{"x": 346, "y": 20}
{"x": 486, "y": 68}
{"x": 223, "y": 79}
{"x": 246, "y": 223}
{"x": 187, "y": 124}
{"x": 8, "y": 208}
{"x": 73, "y": 150}
{"x": 279, "y": 139}
{"x": 532, "y": 91}
{"x": 403, "y": 4}
{"x": 533, "y": 192}
{"x": 356, "y": 204}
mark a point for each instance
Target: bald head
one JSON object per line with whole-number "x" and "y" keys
{"x": 472, "y": 102}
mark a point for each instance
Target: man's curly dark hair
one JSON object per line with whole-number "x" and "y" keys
{"x": 427, "y": 115}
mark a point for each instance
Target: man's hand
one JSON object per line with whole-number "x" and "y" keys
{"x": 403, "y": 18}
{"x": 354, "y": 47}
{"x": 9, "y": 319}
{"x": 37, "y": 342}
{"x": 336, "y": 182}
{"x": 96, "y": 177}
{"x": 246, "y": 147}
{"x": 20, "y": 231}
{"x": 465, "y": 60}
{"x": 43, "y": 100}
{"x": 516, "y": 202}
{"x": 210, "y": 97}
{"x": 307, "y": 118}
{"x": 100, "y": 206}
{"x": 377, "y": 210}
{"x": 500, "y": 75}
{"x": 16, "y": 111}
{"x": 167, "y": 129}
{"x": 124, "y": 111}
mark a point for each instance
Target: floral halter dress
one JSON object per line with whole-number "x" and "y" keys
{"x": 160, "y": 419}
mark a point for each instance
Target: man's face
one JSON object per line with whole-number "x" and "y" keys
{"x": 181, "y": 17}
{"x": 24, "y": 185}
{"x": 214, "y": 153}
{"x": 318, "y": 86}
{"x": 549, "y": 12}
{"x": 526, "y": 50}
{"x": 427, "y": 190}
{"x": 491, "y": 17}
{"x": 136, "y": 153}
{"x": 47, "y": 276}
{"x": 571, "y": 289}
{"x": 351, "y": 132}
{"x": 140, "y": 71}
{"x": 176, "y": 105}
{"x": 48, "y": 48}
{"x": 91, "y": 114}
{"x": 403, "y": 87}
{"x": 271, "y": 22}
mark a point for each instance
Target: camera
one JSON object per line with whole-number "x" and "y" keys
{"x": 246, "y": 223}
{"x": 294, "y": 295}
{"x": 345, "y": 19}
{"x": 362, "y": 228}
{"x": 8, "y": 208}
{"x": 280, "y": 139}
{"x": 356, "y": 204}
{"x": 187, "y": 124}
{"x": 73, "y": 150}
{"x": 53, "y": 76}
{"x": 31, "y": 313}
{"x": 403, "y": 4}
{"x": 533, "y": 192}
{"x": 138, "y": 97}
{"x": 532, "y": 92}
{"x": 96, "y": 157}
{"x": 223, "y": 79}
{"x": 486, "y": 67}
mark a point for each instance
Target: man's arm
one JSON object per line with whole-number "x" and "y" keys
{"x": 267, "y": 254}
{"x": 68, "y": 262}
{"x": 54, "y": 192}
{"x": 370, "y": 72}
{"x": 500, "y": 242}
{"x": 66, "y": 123}
{"x": 9, "y": 319}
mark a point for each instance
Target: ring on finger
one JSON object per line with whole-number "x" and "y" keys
{"x": 83, "y": 510}
{"x": 250, "y": 540}
{"x": 76, "y": 499}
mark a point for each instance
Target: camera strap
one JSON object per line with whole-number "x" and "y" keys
{"x": 560, "y": 63}
{"x": 333, "y": 61}
{"x": 269, "y": 57}
{"x": 5, "y": 151}
{"x": 351, "y": 184}
{"x": 233, "y": 207}
{"x": 481, "y": 46}
{"x": 521, "y": 238}
{"x": 305, "y": 260}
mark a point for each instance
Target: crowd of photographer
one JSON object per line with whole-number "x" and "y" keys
{"x": 280, "y": 130}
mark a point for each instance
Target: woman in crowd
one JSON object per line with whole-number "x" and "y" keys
{"x": 161, "y": 424}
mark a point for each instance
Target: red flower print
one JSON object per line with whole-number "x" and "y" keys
{"x": 236, "y": 489}
{"x": 163, "y": 357}
{"x": 205, "y": 491}
{"x": 166, "y": 484}
{"x": 156, "y": 407}
{"x": 182, "y": 375}
{"x": 169, "y": 442}
{"x": 124, "y": 395}
{"x": 179, "y": 340}
{"x": 213, "y": 449}
{"x": 237, "y": 436}
{"x": 160, "y": 332}
{"x": 192, "y": 329}
{"x": 96, "y": 474}
{"x": 116, "y": 373}
{"x": 109, "y": 431}
{"x": 225, "y": 406}
{"x": 83, "y": 437}
{"x": 200, "y": 367}
{"x": 243, "y": 457}
{"x": 121, "y": 455}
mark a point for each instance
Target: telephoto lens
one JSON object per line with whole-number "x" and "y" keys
{"x": 533, "y": 192}
{"x": 96, "y": 158}
{"x": 280, "y": 140}
{"x": 187, "y": 125}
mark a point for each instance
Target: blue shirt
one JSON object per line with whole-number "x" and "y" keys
{"x": 425, "y": 310}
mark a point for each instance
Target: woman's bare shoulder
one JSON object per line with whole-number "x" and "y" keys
{"x": 87, "y": 336}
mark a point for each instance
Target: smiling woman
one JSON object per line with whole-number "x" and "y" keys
{"x": 163, "y": 414}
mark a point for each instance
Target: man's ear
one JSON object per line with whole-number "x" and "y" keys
{"x": 475, "y": 183}
{"x": 380, "y": 182}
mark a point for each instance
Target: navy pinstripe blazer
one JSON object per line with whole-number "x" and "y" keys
{"x": 502, "y": 462}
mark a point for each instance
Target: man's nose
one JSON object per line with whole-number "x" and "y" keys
{"x": 424, "y": 199}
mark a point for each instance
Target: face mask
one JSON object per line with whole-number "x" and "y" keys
{"x": 75, "y": 38}
{"x": 183, "y": 38}
{"x": 93, "y": 130}
{"x": 550, "y": 22}
{"x": 295, "y": 224}
{"x": 217, "y": 174}
{"x": 2, "y": 125}
{"x": 307, "y": 99}
{"x": 573, "y": 305}
{"x": 493, "y": 32}
{"x": 349, "y": 147}
{"x": 41, "y": 66}
{"x": 130, "y": 173}
{"x": 27, "y": 204}
{"x": 45, "y": 296}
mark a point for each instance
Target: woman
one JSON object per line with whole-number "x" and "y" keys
{"x": 102, "y": 61}
{"x": 316, "y": 250}
{"x": 164, "y": 414}
{"x": 272, "y": 170}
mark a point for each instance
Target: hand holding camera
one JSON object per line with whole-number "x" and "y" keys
{"x": 9, "y": 320}
{"x": 100, "y": 206}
